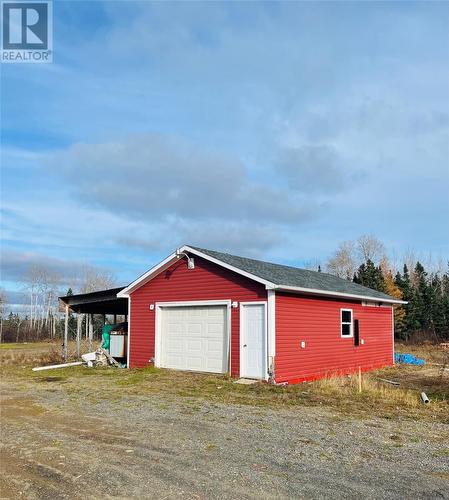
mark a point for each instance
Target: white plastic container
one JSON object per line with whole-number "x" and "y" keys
{"x": 118, "y": 346}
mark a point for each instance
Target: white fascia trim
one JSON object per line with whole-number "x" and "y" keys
{"x": 158, "y": 268}
{"x": 253, "y": 277}
{"x": 314, "y": 291}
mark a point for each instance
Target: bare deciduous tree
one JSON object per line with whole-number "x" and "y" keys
{"x": 370, "y": 248}
{"x": 43, "y": 286}
{"x": 2, "y": 311}
{"x": 93, "y": 279}
{"x": 343, "y": 263}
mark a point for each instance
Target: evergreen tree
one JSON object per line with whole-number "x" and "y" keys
{"x": 438, "y": 319}
{"x": 422, "y": 300}
{"x": 404, "y": 283}
{"x": 370, "y": 276}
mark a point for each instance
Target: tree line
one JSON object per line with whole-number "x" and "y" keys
{"x": 426, "y": 315}
{"x": 42, "y": 317}
{"x": 364, "y": 261}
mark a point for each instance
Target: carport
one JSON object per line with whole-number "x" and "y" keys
{"x": 103, "y": 302}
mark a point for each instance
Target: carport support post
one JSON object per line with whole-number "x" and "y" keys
{"x": 91, "y": 331}
{"x": 78, "y": 335}
{"x": 66, "y": 333}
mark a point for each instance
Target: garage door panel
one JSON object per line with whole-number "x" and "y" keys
{"x": 214, "y": 346}
{"x": 193, "y": 345}
{"x": 193, "y": 363}
{"x": 175, "y": 345}
{"x": 174, "y": 360}
{"x": 175, "y": 327}
{"x": 194, "y": 328}
{"x": 194, "y": 338}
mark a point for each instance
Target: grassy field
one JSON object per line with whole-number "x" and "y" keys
{"x": 338, "y": 393}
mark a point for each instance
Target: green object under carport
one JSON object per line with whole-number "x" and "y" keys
{"x": 106, "y": 337}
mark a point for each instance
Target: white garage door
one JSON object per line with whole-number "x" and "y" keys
{"x": 194, "y": 338}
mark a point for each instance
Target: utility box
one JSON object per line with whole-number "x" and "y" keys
{"x": 118, "y": 346}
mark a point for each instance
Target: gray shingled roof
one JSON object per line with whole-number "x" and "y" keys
{"x": 294, "y": 276}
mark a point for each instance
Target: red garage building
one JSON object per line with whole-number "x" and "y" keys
{"x": 208, "y": 311}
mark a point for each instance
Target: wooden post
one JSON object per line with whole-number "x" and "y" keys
{"x": 91, "y": 331}
{"x": 87, "y": 325}
{"x": 78, "y": 335}
{"x": 360, "y": 379}
{"x": 66, "y": 333}
{"x": 115, "y": 319}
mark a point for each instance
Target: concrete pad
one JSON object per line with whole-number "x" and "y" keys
{"x": 245, "y": 381}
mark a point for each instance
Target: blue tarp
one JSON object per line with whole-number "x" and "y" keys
{"x": 408, "y": 359}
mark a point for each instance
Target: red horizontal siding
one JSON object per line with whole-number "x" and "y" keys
{"x": 207, "y": 281}
{"x": 317, "y": 322}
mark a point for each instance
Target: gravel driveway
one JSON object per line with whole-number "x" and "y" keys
{"x": 161, "y": 446}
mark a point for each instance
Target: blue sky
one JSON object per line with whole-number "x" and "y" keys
{"x": 274, "y": 130}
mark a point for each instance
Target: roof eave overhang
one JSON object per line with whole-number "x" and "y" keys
{"x": 325, "y": 293}
{"x": 172, "y": 258}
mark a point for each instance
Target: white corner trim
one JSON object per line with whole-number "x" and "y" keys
{"x": 327, "y": 293}
{"x": 392, "y": 328}
{"x": 271, "y": 323}
{"x": 158, "y": 324}
{"x": 129, "y": 332}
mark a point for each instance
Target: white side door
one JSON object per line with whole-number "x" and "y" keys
{"x": 253, "y": 340}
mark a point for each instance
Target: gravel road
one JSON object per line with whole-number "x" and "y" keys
{"x": 161, "y": 446}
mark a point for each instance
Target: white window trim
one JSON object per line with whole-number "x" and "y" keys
{"x": 351, "y": 324}
{"x": 158, "y": 324}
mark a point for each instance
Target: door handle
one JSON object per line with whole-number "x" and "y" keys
{"x": 244, "y": 345}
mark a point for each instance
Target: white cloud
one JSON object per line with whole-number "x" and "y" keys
{"x": 157, "y": 178}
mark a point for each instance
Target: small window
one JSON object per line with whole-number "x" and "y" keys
{"x": 346, "y": 322}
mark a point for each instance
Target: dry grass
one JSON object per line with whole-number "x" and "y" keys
{"x": 373, "y": 392}
{"x": 39, "y": 353}
{"x": 430, "y": 352}
{"x": 337, "y": 393}
{"x": 29, "y": 357}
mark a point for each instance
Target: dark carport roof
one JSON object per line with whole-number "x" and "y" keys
{"x": 101, "y": 302}
{"x": 286, "y": 276}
